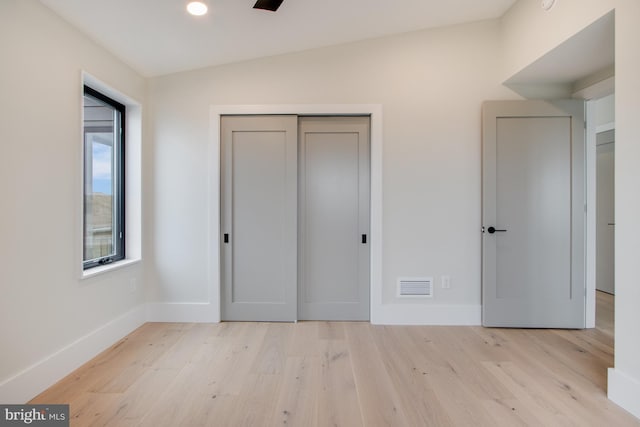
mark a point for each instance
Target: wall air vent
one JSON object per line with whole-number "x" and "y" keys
{"x": 415, "y": 287}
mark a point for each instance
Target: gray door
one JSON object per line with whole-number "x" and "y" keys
{"x": 605, "y": 212}
{"x": 533, "y": 214}
{"x": 259, "y": 217}
{"x": 334, "y": 218}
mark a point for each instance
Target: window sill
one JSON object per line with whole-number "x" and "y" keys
{"x": 95, "y": 271}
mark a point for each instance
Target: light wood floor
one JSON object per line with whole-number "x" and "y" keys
{"x": 344, "y": 374}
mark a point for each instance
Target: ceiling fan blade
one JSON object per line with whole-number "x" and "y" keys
{"x": 271, "y": 5}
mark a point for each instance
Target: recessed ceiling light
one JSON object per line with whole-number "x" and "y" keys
{"x": 197, "y": 8}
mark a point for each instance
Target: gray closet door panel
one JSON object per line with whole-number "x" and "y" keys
{"x": 331, "y": 217}
{"x": 334, "y": 215}
{"x": 259, "y": 202}
{"x": 259, "y": 218}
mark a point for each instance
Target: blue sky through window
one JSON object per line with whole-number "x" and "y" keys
{"x": 102, "y": 168}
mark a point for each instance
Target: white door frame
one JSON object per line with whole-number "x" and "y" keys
{"x": 591, "y": 95}
{"x": 373, "y": 110}
{"x": 590, "y": 223}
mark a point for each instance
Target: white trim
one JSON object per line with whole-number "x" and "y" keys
{"x": 133, "y": 174}
{"x": 31, "y": 381}
{"x": 374, "y": 110}
{"x": 624, "y": 391}
{"x": 590, "y": 220}
{"x": 102, "y": 269}
{"x": 195, "y": 312}
{"x": 590, "y": 94}
{"x": 423, "y": 314}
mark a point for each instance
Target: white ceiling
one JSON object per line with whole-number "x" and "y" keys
{"x": 158, "y": 37}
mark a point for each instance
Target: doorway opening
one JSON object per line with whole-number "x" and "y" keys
{"x": 602, "y": 148}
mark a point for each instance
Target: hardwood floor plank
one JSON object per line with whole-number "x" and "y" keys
{"x": 590, "y": 343}
{"x": 548, "y": 407}
{"x": 273, "y": 351}
{"x": 304, "y": 341}
{"x": 256, "y": 406}
{"x": 239, "y": 357}
{"x": 401, "y": 358}
{"x": 140, "y": 397}
{"x": 380, "y": 404}
{"x": 577, "y": 358}
{"x": 298, "y": 401}
{"x": 182, "y": 351}
{"x": 88, "y": 409}
{"x": 331, "y": 330}
{"x": 459, "y": 402}
{"x": 338, "y": 403}
{"x": 511, "y": 412}
{"x": 464, "y": 355}
{"x": 194, "y": 398}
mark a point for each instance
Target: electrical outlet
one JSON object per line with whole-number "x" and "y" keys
{"x": 446, "y": 282}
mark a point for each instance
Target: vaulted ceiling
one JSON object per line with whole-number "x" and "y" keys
{"x": 158, "y": 37}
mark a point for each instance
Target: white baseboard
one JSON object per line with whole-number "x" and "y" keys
{"x": 27, "y": 384}
{"x": 418, "y": 314}
{"x": 624, "y": 390}
{"x": 182, "y": 312}
{"x": 386, "y": 314}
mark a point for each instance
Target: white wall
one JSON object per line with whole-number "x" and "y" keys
{"x": 605, "y": 112}
{"x": 430, "y": 84}
{"x": 523, "y": 38}
{"x": 44, "y": 306}
{"x": 528, "y": 33}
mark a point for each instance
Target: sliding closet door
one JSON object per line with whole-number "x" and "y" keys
{"x": 259, "y": 217}
{"x": 334, "y": 218}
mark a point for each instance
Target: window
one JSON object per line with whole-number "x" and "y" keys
{"x": 104, "y": 210}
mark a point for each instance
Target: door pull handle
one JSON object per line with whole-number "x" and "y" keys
{"x": 492, "y": 230}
